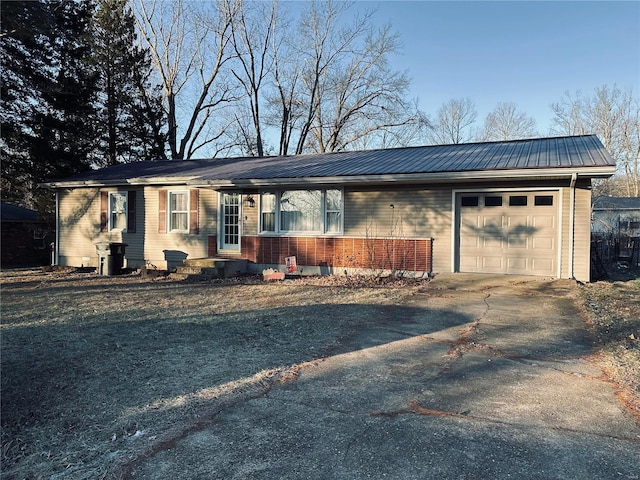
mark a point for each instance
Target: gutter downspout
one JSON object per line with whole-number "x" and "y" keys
{"x": 57, "y": 236}
{"x": 572, "y": 221}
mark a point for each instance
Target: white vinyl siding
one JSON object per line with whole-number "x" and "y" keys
{"x": 157, "y": 244}
{"x": 79, "y": 228}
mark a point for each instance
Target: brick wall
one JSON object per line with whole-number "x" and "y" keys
{"x": 377, "y": 253}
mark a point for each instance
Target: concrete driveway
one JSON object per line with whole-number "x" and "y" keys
{"x": 487, "y": 378}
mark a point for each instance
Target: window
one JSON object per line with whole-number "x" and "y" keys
{"x": 302, "y": 211}
{"x": 333, "y": 211}
{"x": 179, "y": 211}
{"x": 118, "y": 211}
{"x": 268, "y": 209}
{"x": 469, "y": 201}
{"x": 493, "y": 201}
{"x": 543, "y": 200}
{"x": 518, "y": 201}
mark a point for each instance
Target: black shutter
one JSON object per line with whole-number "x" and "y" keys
{"x": 131, "y": 211}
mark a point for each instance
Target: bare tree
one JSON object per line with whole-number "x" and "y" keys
{"x": 613, "y": 115}
{"x": 365, "y": 97}
{"x": 453, "y": 122}
{"x": 252, "y": 38}
{"x": 334, "y": 88}
{"x": 506, "y": 123}
{"x": 189, "y": 49}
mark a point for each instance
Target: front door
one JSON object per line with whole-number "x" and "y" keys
{"x": 230, "y": 231}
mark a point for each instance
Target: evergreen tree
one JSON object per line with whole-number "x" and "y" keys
{"x": 47, "y": 105}
{"x": 25, "y": 60}
{"x": 129, "y": 109}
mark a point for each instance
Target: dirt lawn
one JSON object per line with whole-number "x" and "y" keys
{"x": 97, "y": 369}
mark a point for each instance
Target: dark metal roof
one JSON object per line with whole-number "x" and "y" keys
{"x": 543, "y": 153}
{"x": 616, "y": 203}
{"x": 14, "y": 213}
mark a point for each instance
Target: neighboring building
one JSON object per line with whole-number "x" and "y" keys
{"x": 25, "y": 238}
{"x": 616, "y": 216}
{"x": 513, "y": 207}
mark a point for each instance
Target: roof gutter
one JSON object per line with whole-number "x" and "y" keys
{"x": 117, "y": 182}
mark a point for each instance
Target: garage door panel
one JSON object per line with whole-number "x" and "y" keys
{"x": 543, "y": 265}
{"x": 492, "y": 264}
{"x": 492, "y": 242}
{"x": 543, "y": 243}
{"x": 544, "y": 221}
{"x": 469, "y": 263}
{"x": 514, "y": 237}
{"x": 472, "y": 222}
{"x": 470, "y": 242}
{"x": 491, "y": 221}
{"x": 517, "y": 242}
{"x": 517, "y": 221}
{"x": 516, "y": 264}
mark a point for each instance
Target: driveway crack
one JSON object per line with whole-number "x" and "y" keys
{"x": 413, "y": 407}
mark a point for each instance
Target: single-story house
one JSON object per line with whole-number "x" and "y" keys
{"x": 25, "y": 237}
{"x": 512, "y": 207}
{"x": 616, "y": 216}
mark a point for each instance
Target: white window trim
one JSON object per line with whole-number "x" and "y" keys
{"x": 169, "y": 211}
{"x": 323, "y": 214}
{"x": 126, "y": 211}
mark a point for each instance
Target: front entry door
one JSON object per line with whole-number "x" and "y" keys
{"x": 230, "y": 232}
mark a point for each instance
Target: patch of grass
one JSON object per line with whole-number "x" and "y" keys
{"x": 613, "y": 313}
{"x": 95, "y": 369}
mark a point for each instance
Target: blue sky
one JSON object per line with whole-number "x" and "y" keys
{"x": 526, "y": 52}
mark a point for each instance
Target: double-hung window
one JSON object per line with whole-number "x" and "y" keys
{"x": 179, "y": 211}
{"x": 118, "y": 211}
{"x": 301, "y": 211}
{"x": 333, "y": 211}
{"x": 268, "y": 212}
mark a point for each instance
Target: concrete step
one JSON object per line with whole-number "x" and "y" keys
{"x": 196, "y": 270}
{"x": 207, "y": 268}
{"x": 226, "y": 267}
{"x": 199, "y": 262}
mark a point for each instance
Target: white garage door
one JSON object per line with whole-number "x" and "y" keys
{"x": 510, "y": 232}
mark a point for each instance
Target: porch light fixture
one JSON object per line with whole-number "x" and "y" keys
{"x": 250, "y": 201}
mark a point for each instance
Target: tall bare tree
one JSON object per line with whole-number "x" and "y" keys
{"x": 453, "y": 122}
{"x": 613, "y": 115}
{"x": 507, "y": 123}
{"x": 190, "y": 46}
{"x": 252, "y": 38}
{"x": 334, "y": 85}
